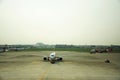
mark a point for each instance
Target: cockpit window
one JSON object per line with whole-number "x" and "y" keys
{"x": 52, "y": 55}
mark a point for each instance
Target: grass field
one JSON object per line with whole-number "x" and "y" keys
{"x": 67, "y": 49}
{"x": 59, "y": 49}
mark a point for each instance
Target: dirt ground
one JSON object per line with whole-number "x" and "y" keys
{"x": 75, "y": 66}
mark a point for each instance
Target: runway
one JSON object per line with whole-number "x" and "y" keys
{"x": 75, "y": 66}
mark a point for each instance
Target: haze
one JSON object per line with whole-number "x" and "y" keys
{"x": 60, "y": 22}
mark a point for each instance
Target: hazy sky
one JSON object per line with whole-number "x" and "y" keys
{"x": 60, "y": 22}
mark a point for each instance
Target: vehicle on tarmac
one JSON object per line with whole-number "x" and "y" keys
{"x": 106, "y": 50}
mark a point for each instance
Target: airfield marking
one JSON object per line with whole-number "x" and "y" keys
{"x": 44, "y": 73}
{"x": 68, "y": 62}
{"x": 36, "y": 62}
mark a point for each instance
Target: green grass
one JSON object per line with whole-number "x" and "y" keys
{"x": 116, "y": 50}
{"x": 59, "y": 49}
{"x": 67, "y": 49}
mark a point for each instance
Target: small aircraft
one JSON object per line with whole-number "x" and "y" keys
{"x": 52, "y": 58}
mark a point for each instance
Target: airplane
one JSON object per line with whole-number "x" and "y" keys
{"x": 52, "y": 58}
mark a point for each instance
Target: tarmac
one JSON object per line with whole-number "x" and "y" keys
{"x": 75, "y": 66}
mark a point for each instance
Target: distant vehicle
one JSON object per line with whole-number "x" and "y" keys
{"x": 92, "y": 51}
{"x": 100, "y": 50}
{"x": 3, "y": 50}
{"x": 52, "y": 58}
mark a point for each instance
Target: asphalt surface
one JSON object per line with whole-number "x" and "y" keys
{"x": 75, "y": 66}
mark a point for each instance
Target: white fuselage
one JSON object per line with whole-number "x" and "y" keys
{"x": 52, "y": 55}
{"x": 52, "y": 58}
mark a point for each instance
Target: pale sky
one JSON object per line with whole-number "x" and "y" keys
{"x": 78, "y": 22}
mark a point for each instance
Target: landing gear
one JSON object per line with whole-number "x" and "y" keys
{"x": 52, "y": 62}
{"x": 107, "y": 61}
